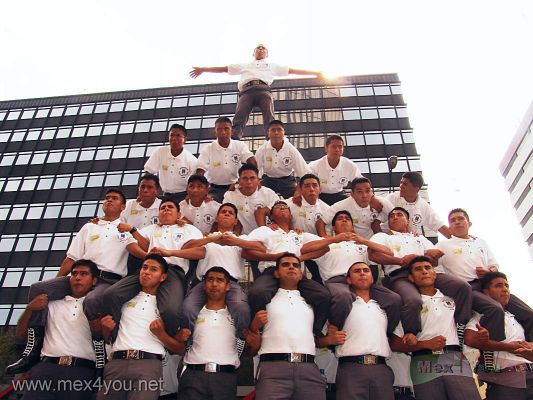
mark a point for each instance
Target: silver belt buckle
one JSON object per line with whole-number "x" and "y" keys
{"x": 297, "y": 357}
{"x": 132, "y": 354}
{"x": 370, "y": 359}
{"x": 437, "y": 352}
{"x": 65, "y": 361}
{"x": 211, "y": 367}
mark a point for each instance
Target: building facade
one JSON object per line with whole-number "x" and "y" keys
{"x": 58, "y": 154}
{"x": 517, "y": 170}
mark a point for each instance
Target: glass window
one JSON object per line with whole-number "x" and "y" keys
{"x": 228, "y": 98}
{"x": 24, "y": 243}
{"x": 137, "y": 151}
{"x": 4, "y": 313}
{"x": 355, "y": 140}
{"x": 110, "y": 129}
{"x": 7, "y": 242}
{"x": 103, "y": 154}
{"x": 402, "y": 112}
{"x": 33, "y": 134}
{"x": 88, "y": 210}
{"x": 79, "y": 131}
{"x": 4, "y": 210}
{"x": 401, "y": 166}
{"x": 72, "y": 110}
{"x": 408, "y": 137}
{"x": 192, "y": 147}
{"x": 101, "y": 108}
{"x": 164, "y": 103}
{"x": 57, "y": 111}
{"x": 193, "y": 123}
{"x": 374, "y": 139}
{"x": 52, "y": 211}
{"x": 208, "y": 122}
{"x": 151, "y": 148}
{"x": 351, "y": 114}
{"x": 49, "y": 274}
{"x": 196, "y": 101}
{"x": 12, "y": 185}
{"x": 179, "y": 102}
{"x": 87, "y": 109}
{"x": 147, "y": 104}
{"x": 78, "y": 181}
{"x": 69, "y": 211}
{"x": 23, "y": 159}
{"x": 18, "y": 213}
{"x": 212, "y": 99}
{"x": 27, "y": 114}
{"x": 42, "y": 113}
{"x": 18, "y": 136}
{"x": 63, "y": 132}
{"x": 42, "y": 243}
{"x": 415, "y": 165}
{"x": 13, "y": 114}
{"x": 382, "y": 90}
{"x": 29, "y": 184}
{"x": 369, "y": 113}
{"x": 48, "y": 134}
{"x": 94, "y": 130}
{"x": 35, "y": 212}
{"x": 393, "y": 138}
{"x": 61, "y": 242}
{"x": 142, "y": 127}
{"x": 30, "y": 277}
{"x": 117, "y": 107}
{"x": 348, "y": 91}
{"x": 12, "y": 279}
{"x": 39, "y": 158}
{"x": 396, "y": 89}
{"x": 71, "y": 156}
{"x": 387, "y": 113}
{"x": 130, "y": 178}
{"x": 95, "y": 180}
{"x": 45, "y": 183}
{"x": 62, "y": 182}
{"x": 126, "y": 128}
{"x": 132, "y": 105}
{"x": 4, "y": 137}
{"x": 2, "y": 115}
{"x": 15, "y": 315}
{"x": 112, "y": 180}
{"x": 86, "y": 155}
{"x": 379, "y": 166}
{"x": 55, "y": 156}
{"x": 7, "y": 160}
{"x": 120, "y": 152}
{"x": 365, "y": 91}
{"x": 159, "y": 126}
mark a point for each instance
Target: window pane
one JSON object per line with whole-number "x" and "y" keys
{"x": 369, "y": 113}
{"x": 142, "y": 127}
{"x": 7, "y": 244}
{"x": 387, "y": 113}
{"x": 396, "y": 89}
{"x": 379, "y": 166}
{"x": 117, "y": 107}
{"x": 193, "y": 123}
{"x": 408, "y": 137}
{"x": 393, "y": 138}
{"x": 13, "y": 114}
{"x": 35, "y": 212}
{"x": 78, "y": 182}
{"x": 63, "y": 132}
{"x": 137, "y": 151}
{"x": 88, "y": 210}
{"x": 351, "y": 114}
{"x": 24, "y": 243}
{"x": 52, "y": 211}
{"x": 402, "y": 112}
{"x": 18, "y": 136}
{"x": 7, "y": 160}
{"x": 18, "y": 213}
{"x": 110, "y": 129}
{"x": 159, "y": 126}
{"x": 55, "y": 157}
{"x": 229, "y": 98}
{"x": 45, "y": 183}
{"x": 12, "y": 279}
{"x": 130, "y": 179}
{"x": 33, "y": 135}
{"x": 164, "y": 103}
{"x": 87, "y": 109}
{"x": 4, "y": 313}
{"x": 355, "y": 140}
{"x": 4, "y": 137}
{"x": 86, "y": 155}
{"x": 95, "y": 181}
{"x": 12, "y": 185}
{"x": 42, "y": 243}
{"x": 120, "y": 152}
{"x": 48, "y": 134}
{"x": 374, "y": 139}
{"x": 208, "y": 122}
{"x": 28, "y": 114}
{"x": 103, "y": 154}
{"x": 348, "y": 91}
{"x": 70, "y": 156}
{"x": 15, "y": 315}
{"x": 147, "y": 104}
{"x": 126, "y": 128}
{"x": 72, "y": 110}
{"x": 23, "y": 159}
{"x": 113, "y": 180}
{"x": 62, "y": 183}
{"x": 212, "y": 100}
{"x": 42, "y": 113}
{"x": 29, "y": 184}
{"x": 3, "y": 212}
{"x": 79, "y": 131}
{"x": 364, "y": 91}
{"x": 95, "y": 130}
{"x": 57, "y": 111}
{"x": 101, "y": 108}
{"x": 60, "y": 242}
{"x": 132, "y": 105}
{"x": 31, "y": 277}
{"x": 38, "y": 158}
{"x": 382, "y": 90}
{"x": 69, "y": 211}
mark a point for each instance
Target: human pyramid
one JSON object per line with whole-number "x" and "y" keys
{"x": 160, "y": 273}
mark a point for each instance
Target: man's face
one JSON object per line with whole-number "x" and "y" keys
{"x": 113, "y": 204}
{"x": 176, "y": 139}
{"x": 459, "y": 224}
{"x": 335, "y": 149}
{"x": 148, "y": 190}
{"x": 498, "y": 290}
{"x": 216, "y": 286}
{"x": 276, "y": 133}
{"x": 260, "y": 52}
{"x": 226, "y": 217}
{"x": 197, "y": 191}
{"x": 362, "y": 194}
{"x": 248, "y": 181}
{"x": 310, "y": 190}
{"x": 168, "y": 213}
{"x": 289, "y": 271}
{"x": 81, "y": 281}
{"x": 407, "y": 189}
{"x": 422, "y": 274}
{"x": 280, "y": 212}
{"x": 360, "y": 276}
{"x": 343, "y": 223}
{"x": 223, "y": 132}
{"x": 398, "y": 221}
{"x": 151, "y": 274}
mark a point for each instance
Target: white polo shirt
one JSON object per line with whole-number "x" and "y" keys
{"x": 257, "y": 69}
{"x": 201, "y": 217}
{"x": 136, "y": 215}
{"x": 437, "y": 319}
{"x": 304, "y": 217}
{"x": 334, "y": 180}
{"x": 103, "y": 244}
{"x": 362, "y": 216}
{"x": 222, "y": 163}
{"x": 462, "y": 256}
{"x": 228, "y": 257}
{"x": 366, "y": 331}
{"x": 67, "y": 330}
{"x": 401, "y": 245}
{"x": 246, "y": 205}
{"x": 134, "y": 329}
{"x": 279, "y": 241}
{"x": 340, "y": 257}
{"x": 290, "y": 325}
{"x": 213, "y": 339}
{"x": 171, "y": 237}
{"x": 277, "y": 164}
{"x": 173, "y": 171}
{"x": 420, "y": 213}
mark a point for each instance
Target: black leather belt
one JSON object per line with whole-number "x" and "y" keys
{"x": 109, "y": 275}
{"x": 254, "y": 82}
{"x": 446, "y": 349}
{"x": 279, "y": 177}
{"x": 290, "y": 357}
{"x": 367, "y": 359}
{"x": 211, "y": 367}
{"x": 135, "y": 355}
{"x": 69, "y": 361}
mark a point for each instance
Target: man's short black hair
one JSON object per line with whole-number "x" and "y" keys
{"x": 400, "y": 209}
{"x": 415, "y": 178}
{"x": 95, "y": 272}
{"x": 308, "y": 176}
{"x": 459, "y": 210}
{"x": 167, "y": 200}
{"x": 358, "y": 181}
{"x": 339, "y": 213}
{"x": 275, "y": 204}
{"x": 180, "y": 127}
{"x": 223, "y": 120}
{"x": 220, "y": 270}
{"x": 489, "y": 277}
{"x": 150, "y": 177}
{"x": 418, "y": 259}
{"x": 117, "y": 191}
{"x": 158, "y": 259}
{"x": 332, "y": 138}
{"x": 284, "y": 255}
{"x": 248, "y": 167}
{"x": 198, "y": 178}
{"x": 231, "y": 205}
{"x": 275, "y": 122}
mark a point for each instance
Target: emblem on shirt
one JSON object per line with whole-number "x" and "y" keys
{"x": 131, "y": 304}
{"x": 458, "y": 251}
{"x": 94, "y": 237}
{"x": 236, "y": 158}
{"x": 164, "y": 167}
{"x": 122, "y": 237}
{"x": 318, "y": 216}
{"x": 448, "y": 303}
{"x": 177, "y": 236}
{"x": 343, "y": 181}
{"x": 417, "y": 218}
{"x": 297, "y": 240}
{"x": 360, "y": 250}
{"x": 208, "y": 219}
{"x": 374, "y": 216}
{"x": 183, "y": 171}
{"x": 134, "y": 212}
{"x": 154, "y": 220}
{"x": 286, "y": 161}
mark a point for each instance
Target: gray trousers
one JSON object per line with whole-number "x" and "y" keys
{"x": 250, "y": 97}
{"x": 169, "y": 298}
{"x": 132, "y": 380}
{"x": 279, "y": 380}
{"x": 236, "y": 301}
{"x": 284, "y": 186}
{"x": 456, "y": 288}
{"x": 342, "y": 298}
{"x": 317, "y": 296}
{"x": 200, "y": 385}
{"x": 364, "y": 382}
{"x": 502, "y": 392}
{"x": 448, "y": 388}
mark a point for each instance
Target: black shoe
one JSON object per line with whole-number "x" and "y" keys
{"x": 31, "y": 354}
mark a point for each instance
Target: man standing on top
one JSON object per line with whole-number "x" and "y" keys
{"x": 254, "y": 86}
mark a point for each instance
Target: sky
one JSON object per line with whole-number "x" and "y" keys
{"x": 465, "y": 66}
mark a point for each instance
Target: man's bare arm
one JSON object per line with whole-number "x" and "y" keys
{"x": 66, "y": 266}
{"x": 197, "y": 71}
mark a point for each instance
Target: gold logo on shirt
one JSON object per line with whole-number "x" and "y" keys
{"x": 134, "y": 212}
{"x": 424, "y": 310}
{"x": 217, "y": 163}
{"x": 397, "y": 249}
{"x": 458, "y": 251}
{"x": 131, "y": 304}
{"x": 301, "y": 214}
{"x": 269, "y": 159}
{"x": 200, "y": 320}
{"x": 164, "y": 167}
{"x": 94, "y": 237}
{"x": 157, "y": 234}
{"x": 323, "y": 181}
